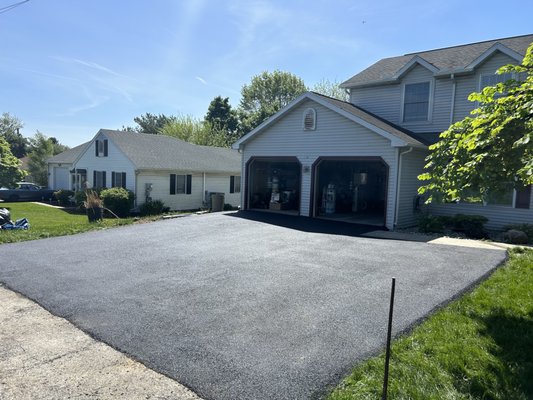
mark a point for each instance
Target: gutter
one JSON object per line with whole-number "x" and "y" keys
{"x": 398, "y": 184}
{"x": 454, "y": 84}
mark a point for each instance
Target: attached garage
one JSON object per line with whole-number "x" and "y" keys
{"x": 274, "y": 183}
{"x": 350, "y": 189}
{"x": 324, "y": 158}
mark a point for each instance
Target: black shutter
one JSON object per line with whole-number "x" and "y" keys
{"x": 172, "y": 183}
{"x": 94, "y": 179}
{"x": 103, "y": 179}
{"x": 523, "y": 197}
{"x": 124, "y": 180}
{"x": 113, "y": 180}
{"x": 96, "y": 148}
{"x": 232, "y": 184}
{"x": 105, "y": 148}
{"x": 189, "y": 184}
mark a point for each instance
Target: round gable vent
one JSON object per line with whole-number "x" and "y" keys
{"x": 309, "y": 119}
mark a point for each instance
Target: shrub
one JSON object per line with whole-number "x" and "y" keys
{"x": 428, "y": 223}
{"x": 228, "y": 207}
{"x": 526, "y": 228}
{"x": 118, "y": 200}
{"x": 153, "y": 207}
{"x": 64, "y": 197}
{"x": 471, "y": 225}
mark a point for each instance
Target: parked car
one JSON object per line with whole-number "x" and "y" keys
{"x": 26, "y": 191}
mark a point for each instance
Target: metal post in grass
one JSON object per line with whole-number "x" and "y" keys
{"x": 387, "y": 350}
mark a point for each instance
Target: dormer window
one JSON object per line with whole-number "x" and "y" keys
{"x": 416, "y": 102}
{"x": 309, "y": 121}
{"x": 100, "y": 147}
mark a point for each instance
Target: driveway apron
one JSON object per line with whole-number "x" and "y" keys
{"x": 237, "y": 308}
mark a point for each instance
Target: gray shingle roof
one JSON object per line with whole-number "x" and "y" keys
{"x": 161, "y": 152}
{"x": 70, "y": 155}
{"x": 447, "y": 59}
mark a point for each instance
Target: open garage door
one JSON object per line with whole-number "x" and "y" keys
{"x": 274, "y": 184}
{"x": 351, "y": 190}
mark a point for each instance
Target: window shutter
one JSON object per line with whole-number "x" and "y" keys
{"x": 232, "y": 184}
{"x": 172, "y": 183}
{"x": 103, "y": 179}
{"x": 113, "y": 180}
{"x": 96, "y": 148}
{"x": 94, "y": 179}
{"x": 189, "y": 184}
{"x": 523, "y": 197}
{"x": 105, "y": 148}
{"x": 124, "y": 180}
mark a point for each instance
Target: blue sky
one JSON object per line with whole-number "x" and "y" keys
{"x": 71, "y": 67}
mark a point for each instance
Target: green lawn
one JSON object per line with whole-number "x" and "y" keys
{"x": 47, "y": 222}
{"x": 478, "y": 347}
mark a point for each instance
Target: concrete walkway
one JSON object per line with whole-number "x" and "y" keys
{"x": 46, "y": 357}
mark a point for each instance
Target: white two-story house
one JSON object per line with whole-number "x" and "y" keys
{"x": 359, "y": 160}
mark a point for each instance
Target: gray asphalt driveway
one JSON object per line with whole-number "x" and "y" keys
{"x": 237, "y": 308}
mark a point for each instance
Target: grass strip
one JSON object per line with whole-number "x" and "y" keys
{"x": 478, "y": 347}
{"x": 49, "y": 221}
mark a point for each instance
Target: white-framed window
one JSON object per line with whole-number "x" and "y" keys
{"x": 234, "y": 184}
{"x": 118, "y": 179}
{"x": 309, "y": 119}
{"x": 493, "y": 79}
{"x": 99, "y": 180}
{"x": 416, "y": 102}
{"x": 180, "y": 184}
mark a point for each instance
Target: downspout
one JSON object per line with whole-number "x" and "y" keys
{"x": 454, "y": 84}
{"x": 136, "y": 189}
{"x": 203, "y": 188}
{"x": 398, "y": 184}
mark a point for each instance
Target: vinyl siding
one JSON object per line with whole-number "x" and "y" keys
{"x": 220, "y": 184}
{"x": 59, "y": 176}
{"x": 386, "y": 101}
{"x": 334, "y": 136}
{"x": 471, "y": 83}
{"x": 161, "y": 189}
{"x": 499, "y": 216}
{"x": 412, "y": 166}
{"x": 115, "y": 161}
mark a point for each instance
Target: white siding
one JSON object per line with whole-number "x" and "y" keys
{"x": 59, "y": 176}
{"x": 499, "y": 216}
{"x": 220, "y": 184}
{"x": 412, "y": 166}
{"x": 383, "y": 101}
{"x": 334, "y": 136}
{"x": 115, "y": 161}
{"x": 161, "y": 189}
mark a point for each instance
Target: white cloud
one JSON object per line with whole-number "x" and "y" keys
{"x": 200, "y": 79}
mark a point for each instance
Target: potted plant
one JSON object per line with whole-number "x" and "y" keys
{"x": 94, "y": 206}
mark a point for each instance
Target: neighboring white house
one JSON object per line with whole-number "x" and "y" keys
{"x": 157, "y": 167}
{"x": 359, "y": 160}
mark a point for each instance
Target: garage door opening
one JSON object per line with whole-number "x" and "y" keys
{"x": 274, "y": 184}
{"x": 351, "y": 190}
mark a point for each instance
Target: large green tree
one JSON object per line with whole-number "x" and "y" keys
{"x": 42, "y": 148}
{"x": 492, "y": 149}
{"x": 223, "y": 118}
{"x": 150, "y": 123}
{"x": 196, "y": 131}
{"x": 266, "y": 94}
{"x": 331, "y": 89}
{"x": 10, "y": 127}
{"x": 10, "y": 172}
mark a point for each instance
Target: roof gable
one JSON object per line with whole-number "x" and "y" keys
{"x": 159, "y": 152}
{"x": 456, "y": 59}
{"x": 397, "y": 137}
